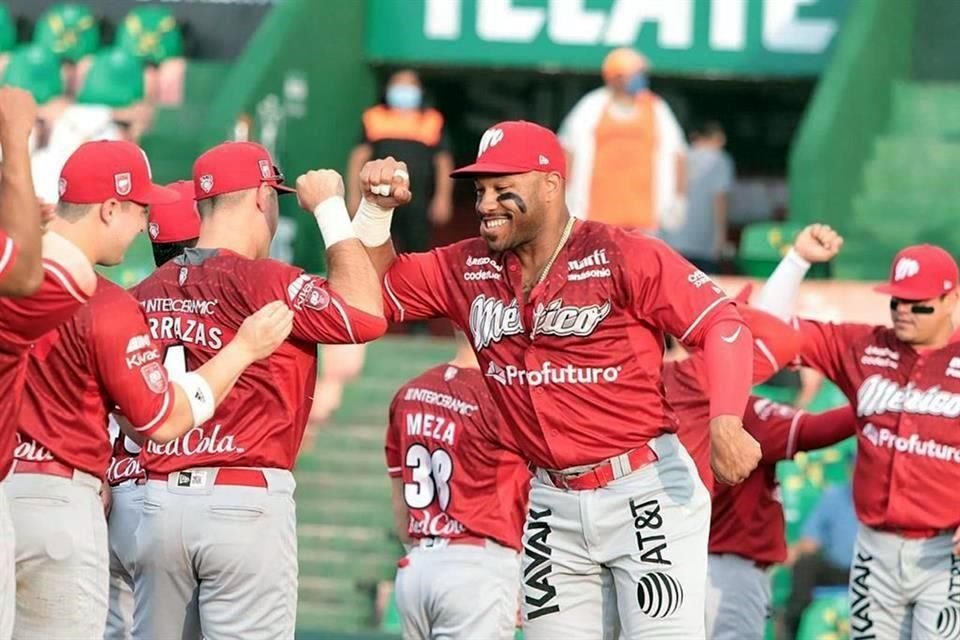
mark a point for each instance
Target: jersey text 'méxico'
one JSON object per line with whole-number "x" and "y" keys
{"x": 445, "y": 439}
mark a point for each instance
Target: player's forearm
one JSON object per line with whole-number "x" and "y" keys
{"x": 352, "y": 275}
{"x": 20, "y": 219}
{"x": 728, "y": 352}
{"x": 819, "y": 430}
{"x": 220, "y": 374}
{"x": 371, "y": 224}
{"x": 779, "y": 293}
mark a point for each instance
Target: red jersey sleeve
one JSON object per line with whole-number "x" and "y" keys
{"x": 392, "y": 446}
{"x": 775, "y": 343}
{"x": 24, "y": 320}
{"x": 669, "y": 292}
{"x": 129, "y": 363}
{"x": 414, "y": 287}
{"x": 8, "y": 253}
{"x": 320, "y": 315}
{"x": 819, "y": 430}
{"x": 775, "y": 426}
{"x": 825, "y": 344}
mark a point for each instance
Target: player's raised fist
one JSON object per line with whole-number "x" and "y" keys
{"x": 386, "y": 183}
{"x": 734, "y": 454}
{"x": 818, "y": 243}
{"x": 18, "y": 114}
{"x": 264, "y": 331}
{"x": 314, "y": 187}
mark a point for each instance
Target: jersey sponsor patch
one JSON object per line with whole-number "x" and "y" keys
{"x": 539, "y": 595}
{"x": 142, "y": 358}
{"x": 659, "y": 595}
{"x": 914, "y": 444}
{"x": 551, "y": 374}
{"x": 137, "y": 343}
{"x": 155, "y": 377}
{"x": 29, "y": 450}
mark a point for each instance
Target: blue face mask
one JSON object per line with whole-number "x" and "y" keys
{"x": 404, "y": 96}
{"x": 637, "y": 83}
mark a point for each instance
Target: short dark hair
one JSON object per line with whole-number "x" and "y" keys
{"x": 164, "y": 252}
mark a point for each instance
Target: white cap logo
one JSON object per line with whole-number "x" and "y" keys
{"x": 62, "y": 186}
{"x": 206, "y": 183}
{"x": 491, "y": 138}
{"x": 154, "y": 229}
{"x": 122, "y": 183}
{"x": 266, "y": 171}
{"x": 906, "y": 268}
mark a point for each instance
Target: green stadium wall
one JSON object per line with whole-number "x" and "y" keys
{"x": 850, "y": 108}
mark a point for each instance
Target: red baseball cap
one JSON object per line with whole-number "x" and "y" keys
{"x": 235, "y": 166}
{"x": 178, "y": 221}
{"x": 921, "y": 272}
{"x": 516, "y": 146}
{"x": 103, "y": 169}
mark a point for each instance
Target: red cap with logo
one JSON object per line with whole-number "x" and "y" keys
{"x": 516, "y": 146}
{"x": 178, "y": 221}
{"x": 235, "y": 166}
{"x": 921, "y": 272}
{"x": 111, "y": 169}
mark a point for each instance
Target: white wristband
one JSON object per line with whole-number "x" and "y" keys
{"x": 199, "y": 395}
{"x": 797, "y": 258}
{"x": 372, "y": 224}
{"x": 334, "y": 221}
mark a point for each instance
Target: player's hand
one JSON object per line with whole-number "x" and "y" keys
{"x": 734, "y": 454}
{"x": 818, "y": 243}
{"x": 386, "y": 183}
{"x": 106, "y": 497}
{"x": 314, "y": 187}
{"x": 264, "y": 331}
{"x": 18, "y": 115}
{"x": 47, "y": 212}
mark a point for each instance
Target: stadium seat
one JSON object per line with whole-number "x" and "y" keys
{"x": 70, "y": 30}
{"x": 827, "y": 617}
{"x": 151, "y": 34}
{"x": 115, "y": 79}
{"x": 36, "y": 69}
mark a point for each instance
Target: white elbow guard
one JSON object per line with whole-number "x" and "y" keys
{"x": 199, "y": 395}
{"x": 372, "y": 224}
{"x": 334, "y": 221}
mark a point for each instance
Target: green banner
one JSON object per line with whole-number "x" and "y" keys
{"x": 769, "y": 38}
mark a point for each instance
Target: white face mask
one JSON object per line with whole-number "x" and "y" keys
{"x": 404, "y": 96}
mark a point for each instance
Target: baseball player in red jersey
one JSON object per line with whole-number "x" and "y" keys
{"x": 224, "y": 491}
{"x": 68, "y": 280}
{"x": 904, "y": 385}
{"x": 21, "y": 270}
{"x": 567, "y": 320}
{"x": 459, "y": 496}
{"x": 102, "y": 358}
{"x": 172, "y": 228}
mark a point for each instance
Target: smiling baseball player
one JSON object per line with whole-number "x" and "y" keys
{"x": 460, "y": 494}
{"x": 567, "y": 320}
{"x": 904, "y": 385}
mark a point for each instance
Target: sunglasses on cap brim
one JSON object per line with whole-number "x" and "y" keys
{"x": 277, "y": 180}
{"x": 915, "y": 306}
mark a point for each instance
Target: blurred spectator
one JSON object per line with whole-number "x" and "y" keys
{"x": 407, "y": 130}
{"x": 625, "y": 151}
{"x": 701, "y": 238}
{"x": 823, "y": 555}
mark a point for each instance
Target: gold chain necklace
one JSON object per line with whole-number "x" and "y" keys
{"x": 556, "y": 252}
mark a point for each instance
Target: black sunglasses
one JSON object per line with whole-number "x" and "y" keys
{"x": 276, "y": 177}
{"x": 915, "y": 307}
